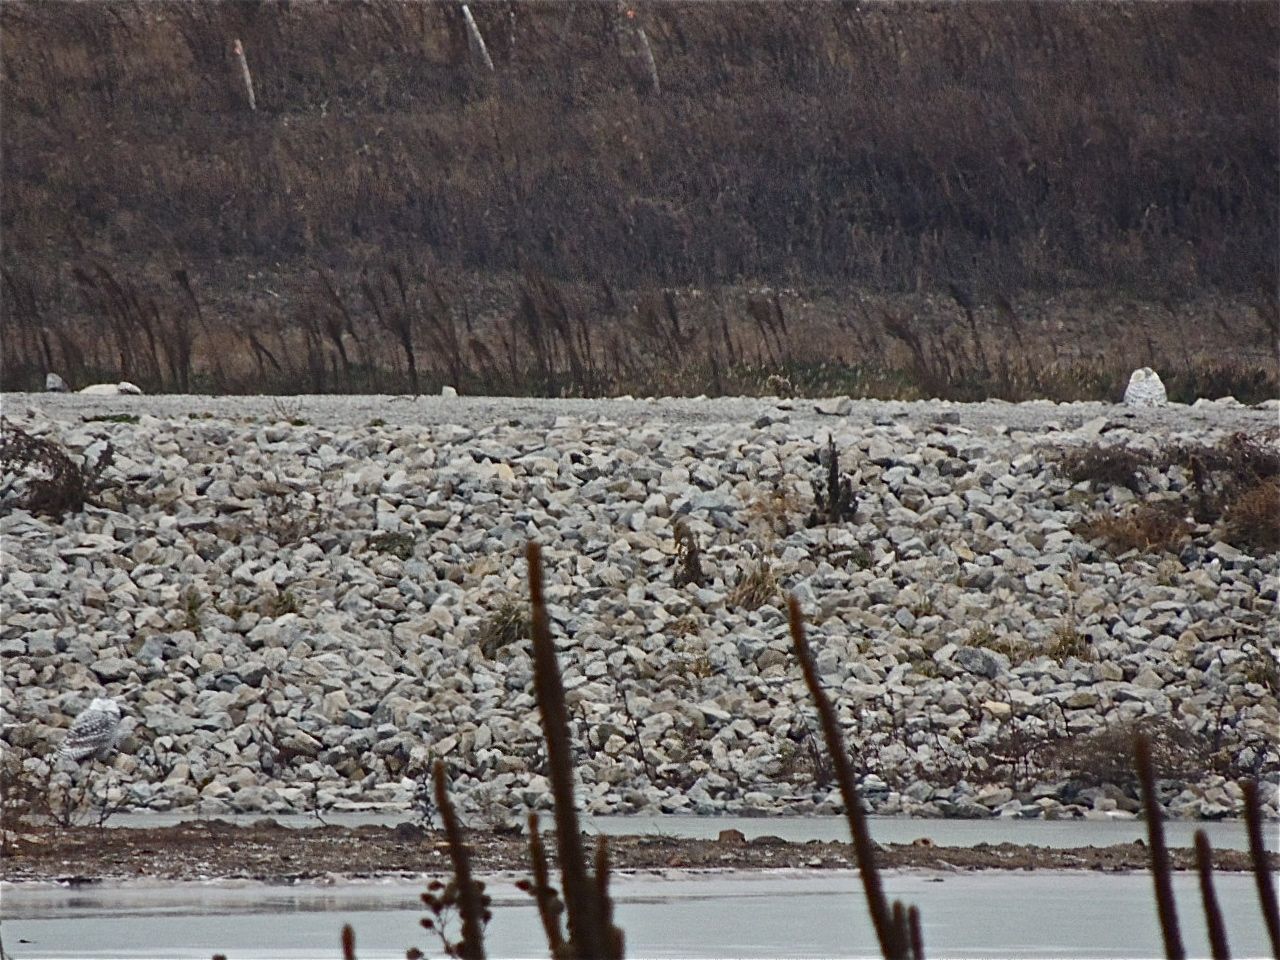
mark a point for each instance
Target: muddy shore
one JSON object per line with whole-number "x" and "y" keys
{"x": 268, "y": 852}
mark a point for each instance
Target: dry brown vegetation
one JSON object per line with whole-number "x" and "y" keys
{"x": 52, "y": 482}
{"x": 954, "y": 200}
{"x": 756, "y": 587}
{"x": 1254, "y": 516}
{"x": 1150, "y": 528}
{"x": 1233, "y": 485}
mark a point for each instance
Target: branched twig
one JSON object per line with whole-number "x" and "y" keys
{"x": 470, "y": 901}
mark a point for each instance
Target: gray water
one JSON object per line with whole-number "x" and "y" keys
{"x": 1223, "y": 834}
{"x": 778, "y": 913}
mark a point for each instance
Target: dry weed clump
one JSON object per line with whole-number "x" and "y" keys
{"x": 773, "y": 511}
{"x": 1234, "y": 484}
{"x": 688, "y": 557}
{"x": 35, "y": 799}
{"x": 399, "y": 545}
{"x": 1103, "y": 756}
{"x": 52, "y": 482}
{"x": 1068, "y": 642}
{"x": 1148, "y": 528}
{"x": 1014, "y": 647}
{"x": 834, "y": 498}
{"x": 1105, "y": 466}
{"x": 757, "y": 586}
{"x": 504, "y": 626}
{"x": 1253, "y": 518}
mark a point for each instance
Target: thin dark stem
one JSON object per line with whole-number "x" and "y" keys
{"x": 1261, "y": 873}
{"x": 470, "y": 905}
{"x": 916, "y": 933}
{"x": 1161, "y": 871}
{"x": 1212, "y": 913}
{"x": 614, "y": 934}
{"x": 542, "y": 892}
{"x": 900, "y": 925}
{"x": 586, "y": 936}
{"x": 863, "y": 848}
{"x": 348, "y": 942}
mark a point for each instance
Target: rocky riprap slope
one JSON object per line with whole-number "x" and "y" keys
{"x": 303, "y": 614}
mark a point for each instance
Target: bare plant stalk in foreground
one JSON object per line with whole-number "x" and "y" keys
{"x": 1261, "y": 875}
{"x": 470, "y": 905}
{"x": 1212, "y": 913}
{"x": 614, "y": 934}
{"x": 1161, "y": 870}
{"x": 543, "y": 895}
{"x": 917, "y": 935}
{"x": 348, "y": 942}
{"x": 589, "y": 934}
{"x": 891, "y": 945}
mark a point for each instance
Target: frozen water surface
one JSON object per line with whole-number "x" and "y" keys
{"x": 732, "y": 914}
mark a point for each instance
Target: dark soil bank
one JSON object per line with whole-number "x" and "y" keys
{"x": 269, "y": 852}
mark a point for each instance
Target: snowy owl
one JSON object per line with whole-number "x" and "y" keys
{"x": 1145, "y": 389}
{"x": 94, "y": 731}
{"x": 112, "y": 389}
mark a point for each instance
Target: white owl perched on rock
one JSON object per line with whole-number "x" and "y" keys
{"x": 1145, "y": 389}
{"x": 94, "y": 732}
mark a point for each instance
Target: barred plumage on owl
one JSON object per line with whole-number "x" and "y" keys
{"x": 1145, "y": 389}
{"x": 93, "y": 732}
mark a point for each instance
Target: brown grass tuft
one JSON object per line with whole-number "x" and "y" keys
{"x": 1253, "y": 518}
{"x": 1149, "y": 528}
{"x": 758, "y": 586}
